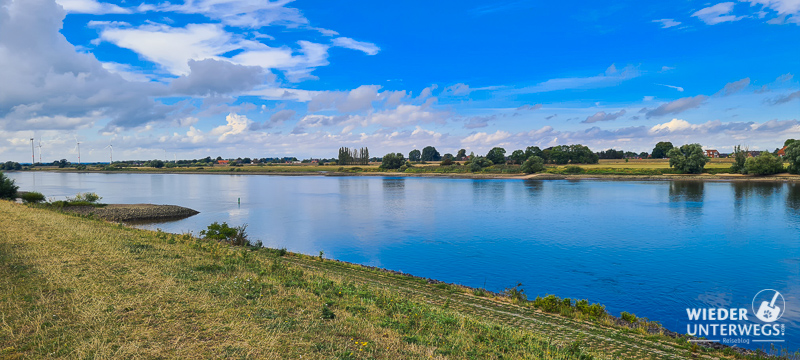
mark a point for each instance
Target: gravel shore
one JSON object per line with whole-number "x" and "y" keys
{"x": 133, "y": 212}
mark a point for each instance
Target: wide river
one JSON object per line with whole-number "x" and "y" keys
{"x": 653, "y": 248}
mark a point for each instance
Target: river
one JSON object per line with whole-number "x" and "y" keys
{"x": 653, "y": 248}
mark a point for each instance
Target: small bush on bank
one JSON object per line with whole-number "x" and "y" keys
{"x": 631, "y": 318}
{"x": 516, "y": 294}
{"x": 223, "y": 232}
{"x": 89, "y": 197}
{"x": 33, "y": 197}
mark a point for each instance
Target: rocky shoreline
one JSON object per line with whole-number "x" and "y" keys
{"x": 133, "y": 212}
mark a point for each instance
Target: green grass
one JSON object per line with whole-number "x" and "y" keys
{"x": 73, "y": 287}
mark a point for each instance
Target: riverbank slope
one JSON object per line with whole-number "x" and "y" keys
{"x": 73, "y": 287}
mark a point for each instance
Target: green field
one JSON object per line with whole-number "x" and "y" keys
{"x": 73, "y": 287}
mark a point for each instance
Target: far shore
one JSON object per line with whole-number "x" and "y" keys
{"x": 538, "y": 176}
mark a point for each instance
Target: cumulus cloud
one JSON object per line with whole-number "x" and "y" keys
{"x": 173, "y": 47}
{"x": 667, "y": 23}
{"x": 358, "y": 99}
{"x": 716, "y": 14}
{"x": 734, "y": 87}
{"x": 215, "y": 77}
{"x": 677, "y": 106}
{"x": 48, "y": 84}
{"x": 366, "y": 47}
{"x": 236, "y": 124}
{"x": 602, "y": 116}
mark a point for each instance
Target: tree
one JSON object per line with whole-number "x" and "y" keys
{"x": 517, "y": 157}
{"x": 788, "y": 141}
{"x": 62, "y": 163}
{"x": 8, "y": 190}
{"x": 414, "y": 155}
{"x": 392, "y": 161}
{"x": 534, "y": 164}
{"x": 793, "y": 157}
{"x": 349, "y": 156}
{"x": 156, "y": 164}
{"x": 764, "y": 164}
{"x": 661, "y": 150}
{"x": 447, "y": 159}
{"x": 643, "y": 155}
{"x": 247, "y": 160}
{"x": 497, "y": 155}
{"x": 739, "y": 159}
{"x": 688, "y": 159}
{"x": 533, "y": 151}
{"x": 429, "y": 153}
{"x": 461, "y": 154}
{"x": 478, "y": 163}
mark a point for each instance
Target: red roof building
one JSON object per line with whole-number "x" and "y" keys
{"x": 712, "y": 153}
{"x": 782, "y": 152}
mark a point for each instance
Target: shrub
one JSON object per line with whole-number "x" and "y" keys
{"x": 516, "y": 294}
{"x": 628, "y": 317}
{"x": 447, "y": 161}
{"x": 8, "y": 190}
{"x": 739, "y": 158}
{"x": 572, "y": 169}
{"x": 534, "y": 164}
{"x": 764, "y": 164}
{"x": 688, "y": 159}
{"x": 89, "y": 197}
{"x": 33, "y": 197}
{"x": 223, "y": 232}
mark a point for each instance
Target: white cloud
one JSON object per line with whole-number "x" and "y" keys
{"x": 91, "y": 7}
{"x": 238, "y": 13}
{"x": 486, "y": 139}
{"x": 236, "y": 124}
{"x": 716, "y": 14}
{"x": 667, "y": 23}
{"x": 174, "y": 47}
{"x": 791, "y": 7}
{"x": 734, "y": 87}
{"x": 366, "y": 47}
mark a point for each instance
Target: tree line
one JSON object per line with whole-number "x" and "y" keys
{"x": 349, "y": 156}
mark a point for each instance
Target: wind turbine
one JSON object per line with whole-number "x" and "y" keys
{"x": 78, "y": 146}
{"x": 40, "y": 150}
{"x": 33, "y": 154}
{"x": 111, "y": 149}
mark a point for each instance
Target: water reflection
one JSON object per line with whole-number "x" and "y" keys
{"x": 793, "y": 198}
{"x": 686, "y": 191}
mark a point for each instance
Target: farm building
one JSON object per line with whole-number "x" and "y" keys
{"x": 782, "y": 152}
{"x": 223, "y": 162}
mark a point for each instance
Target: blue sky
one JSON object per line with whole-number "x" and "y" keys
{"x": 256, "y": 78}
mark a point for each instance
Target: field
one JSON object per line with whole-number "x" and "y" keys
{"x": 74, "y": 287}
{"x": 620, "y": 167}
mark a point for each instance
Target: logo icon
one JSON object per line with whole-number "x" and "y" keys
{"x": 770, "y": 309}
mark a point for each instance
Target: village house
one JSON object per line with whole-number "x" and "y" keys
{"x": 223, "y": 162}
{"x": 782, "y": 151}
{"x": 712, "y": 153}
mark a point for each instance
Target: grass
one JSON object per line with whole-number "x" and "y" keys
{"x": 73, "y": 287}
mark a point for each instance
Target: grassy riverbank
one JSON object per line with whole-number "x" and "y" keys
{"x": 72, "y": 287}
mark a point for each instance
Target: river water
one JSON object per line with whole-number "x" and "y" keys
{"x": 652, "y": 248}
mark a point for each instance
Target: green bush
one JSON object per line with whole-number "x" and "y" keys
{"x": 516, "y": 294}
{"x": 88, "y": 197}
{"x": 8, "y": 190}
{"x": 572, "y": 169}
{"x": 764, "y": 164}
{"x": 33, "y": 197}
{"x": 739, "y": 158}
{"x": 793, "y": 157}
{"x": 223, "y": 232}
{"x": 479, "y": 163}
{"x": 628, "y": 317}
{"x": 534, "y": 164}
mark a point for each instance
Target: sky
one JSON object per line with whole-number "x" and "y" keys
{"x": 257, "y": 78}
